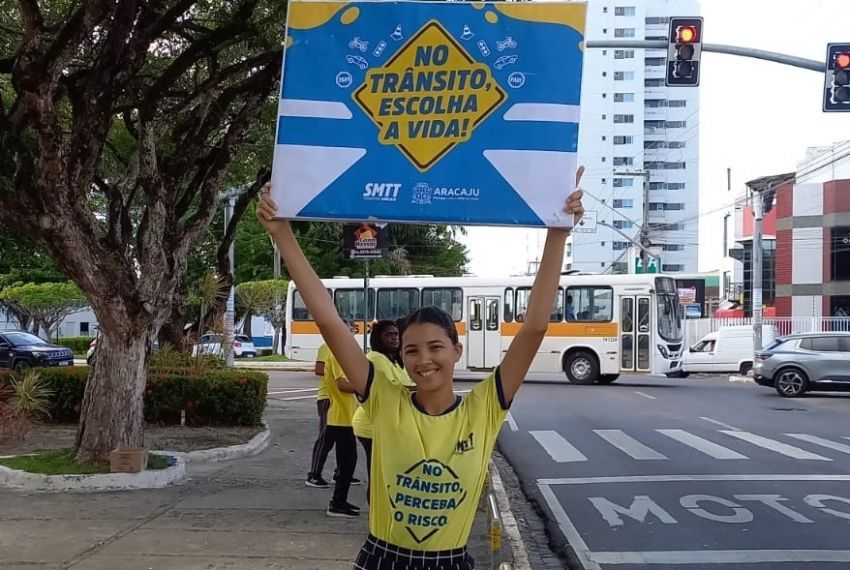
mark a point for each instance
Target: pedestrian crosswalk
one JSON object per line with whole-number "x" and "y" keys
{"x": 722, "y": 444}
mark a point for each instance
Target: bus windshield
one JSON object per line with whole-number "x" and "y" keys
{"x": 669, "y": 320}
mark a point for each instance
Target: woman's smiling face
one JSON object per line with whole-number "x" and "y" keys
{"x": 429, "y": 356}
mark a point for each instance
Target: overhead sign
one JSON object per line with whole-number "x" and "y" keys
{"x": 365, "y": 241}
{"x": 449, "y": 112}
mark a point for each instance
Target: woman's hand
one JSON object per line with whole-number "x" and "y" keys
{"x": 573, "y": 204}
{"x": 267, "y": 211}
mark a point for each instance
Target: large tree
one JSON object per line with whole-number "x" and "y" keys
{"x": 118, "y": 122}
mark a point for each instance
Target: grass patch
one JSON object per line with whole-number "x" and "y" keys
{"x": 60, "y": 462}
{"x": 270, "y": 358}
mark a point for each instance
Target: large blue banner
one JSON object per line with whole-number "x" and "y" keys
{"x": 453, "y": 112}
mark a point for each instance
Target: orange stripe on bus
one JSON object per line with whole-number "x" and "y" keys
{"x": 310, "y": 327}
{"x": 568, "y": 329}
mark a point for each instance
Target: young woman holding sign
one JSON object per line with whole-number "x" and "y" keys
{"x": 430, "y": 448}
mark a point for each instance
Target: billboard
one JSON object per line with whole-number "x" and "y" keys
{"x": 365, "y": 241}
{"x": 431, "y": 112}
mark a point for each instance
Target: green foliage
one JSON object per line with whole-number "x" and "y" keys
{"x": 31, "y": 395}
{"x": 214, "y": 397}
{"x": 77, "y": 344}
{"x": 46, "y": 303}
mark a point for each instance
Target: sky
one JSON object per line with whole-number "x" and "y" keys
{"x": 756, "y": 117}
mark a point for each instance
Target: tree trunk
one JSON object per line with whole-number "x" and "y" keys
{"x": 246, "y": 325}
{"x": 173, "y": 331}
{"x": 276, "y": 346}
{"x": 115, "y": 417}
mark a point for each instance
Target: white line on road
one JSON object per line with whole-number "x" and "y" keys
{"x": 648, "y": 396}
{"x": 820, "y": 441}
{"x": 628, "y": 445}
{"x": 721, "y": 424}
{"x": 702, "y": 445}
{"x": 558, "y": 448}
{"x": 777, "y": 446}
{"x": 509, "y": 521}
{"x": 568, "y": 529}
{"x": 310, "y": 397}
{"x": 295, "y": 391}
{"x": 688, "y": 478}
{"x": 511, "y": 422}
{"x": 712, "y": 557}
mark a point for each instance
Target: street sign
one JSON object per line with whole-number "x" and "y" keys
{"x": 429, "y": 112}
{"x": 587, "y": 225}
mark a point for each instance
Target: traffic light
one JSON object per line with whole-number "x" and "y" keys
{"x": 684, "y": 48}
{"x": 836, "y": 93}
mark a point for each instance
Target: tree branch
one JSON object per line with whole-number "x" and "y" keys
{"x": 32, "y": 19}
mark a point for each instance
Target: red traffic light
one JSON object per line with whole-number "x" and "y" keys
{"x": 842, "y": 60}
{"x": 687, "y": 34}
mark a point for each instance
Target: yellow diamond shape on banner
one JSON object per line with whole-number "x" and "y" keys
{"x": 429, "y": 97}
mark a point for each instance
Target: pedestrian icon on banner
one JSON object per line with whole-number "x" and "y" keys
{"x": 587, "y": 224}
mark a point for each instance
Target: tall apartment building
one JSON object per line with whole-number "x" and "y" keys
{"x": 631, "y": 123}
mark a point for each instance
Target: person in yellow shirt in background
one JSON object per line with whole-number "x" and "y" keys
{"x": 384, "y": 354}
{"x": 323, "y": 444}
{"x": 431, "y": 448}
{"x": 339, "y": 431}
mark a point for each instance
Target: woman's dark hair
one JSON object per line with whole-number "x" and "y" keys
{"x": 431, "y": 315}
{"x": 377, "y": 343}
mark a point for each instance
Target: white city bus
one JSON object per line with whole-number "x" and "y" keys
{"x": 601, "y": 325}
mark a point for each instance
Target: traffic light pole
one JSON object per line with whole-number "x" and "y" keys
{"x": 758, "y": 214}
{"x": 775, "y": 57}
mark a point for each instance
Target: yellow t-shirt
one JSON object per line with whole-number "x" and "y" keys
{"x": 428, "y": 471}
{"x": 342, "y": 403}
{"x": 323, "y": 356}
{"x": 362, "y": 423}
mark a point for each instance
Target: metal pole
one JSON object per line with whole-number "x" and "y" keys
{"x": 757, "y": 270}
{"x": 643, "y": 234}
{"x": 717, "y": 48}
{"x": 365, "y": 305}
{"x": 277, "y": 343}
{"x": 229, "y": 313}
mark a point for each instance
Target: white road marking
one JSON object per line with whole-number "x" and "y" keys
{"x": 702, "y": 445}
{"x": 719, "y": 556}
{"x": 721, "y": 424}
{"x": 509, "y": 523}
{"x": 628, "y": 445}
{"x": 687, "y": 478}
{"x": 568, "y": 529}
{"x": 648, "y": 396}
{"x": 511, "y": 422}
{"x": 558, "y": 448}
{"x": 295, "y": 391}
{"x": 820, "y": 441}
{"x": 297, "y": 398}
{"x": 777, "y": 446}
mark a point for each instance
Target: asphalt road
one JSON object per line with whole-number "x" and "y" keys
{"x": 651, "y": 473}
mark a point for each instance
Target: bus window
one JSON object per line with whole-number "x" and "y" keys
{"x": 396, "y": 303}
{"x": 349, "y": 304}
{"x": 590, "y": 304}
{"x": 449, "y": 299}
{"x": 299, "y": 309}
{"x": 509, "y": 305}
{"x": 522, "y": 295}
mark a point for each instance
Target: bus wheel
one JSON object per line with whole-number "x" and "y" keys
{"x": 581, "y": 368}
{"x": 608, "y": 378}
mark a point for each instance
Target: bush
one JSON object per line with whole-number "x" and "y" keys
{"x": 213, "y": 397}
{"x": 77, "y": 344}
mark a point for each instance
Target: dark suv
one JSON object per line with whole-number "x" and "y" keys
{"x": 21, "y": 350}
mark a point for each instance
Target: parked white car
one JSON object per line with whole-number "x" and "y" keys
{"x": 730, "y": 349}
{"x": 243, "y": 346}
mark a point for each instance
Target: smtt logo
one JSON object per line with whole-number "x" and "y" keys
{"x": 421, "y": 193}
{"x": 382, "y": 191}
{"x": 465, "y": 445}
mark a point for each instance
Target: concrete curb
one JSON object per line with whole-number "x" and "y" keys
{"x": 257, "y": 444}
{"x": 509, "y": 524}
{"x": 149, "y": 479}
{"x": 742, "y": 379}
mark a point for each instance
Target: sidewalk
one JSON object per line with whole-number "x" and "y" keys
{"x": 248, "y": 514}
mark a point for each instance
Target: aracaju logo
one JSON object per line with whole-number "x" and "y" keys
{"x": 429, "y": 97}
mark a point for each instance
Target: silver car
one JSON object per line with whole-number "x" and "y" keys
{"x": 796, "y": 364}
